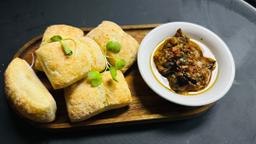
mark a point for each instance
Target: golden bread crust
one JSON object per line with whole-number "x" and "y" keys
{"x": 84, "y": 101}
{"x": 65, "y": 31}
{"x": 63, "y": 70}
{"x": 26, "y": 93}
{"x": 107, "y": 31}
{"x": 98, "y": 59}
{"x": 118, "y": 93}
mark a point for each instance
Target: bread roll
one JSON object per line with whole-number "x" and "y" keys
{"x": 65, "y": 31}
{"x": 27, "y": 94}
{"x": 84, "y": 101}
{"x": 110, "y": 31}
{"x": 63, "y": 70}
{"x": 117, "y": 92}
{"x": 99, "y": 60}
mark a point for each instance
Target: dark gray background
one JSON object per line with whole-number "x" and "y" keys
{"x": 231, "y": 120}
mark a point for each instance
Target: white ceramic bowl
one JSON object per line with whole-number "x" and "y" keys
{"x": 212, "y": 46}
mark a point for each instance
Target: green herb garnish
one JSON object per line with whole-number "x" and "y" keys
{"x": 95, "y": 83}
{"x": 56, "y": 38}
{"x": 113, "y": 72}
{"x": 119, "y": 64}
{"x": 113, "y": 46}
{"x": 65, "y": 47}
{"x": 95, "y": 78}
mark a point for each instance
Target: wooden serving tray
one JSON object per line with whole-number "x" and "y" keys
{"x": 145, "y": 107}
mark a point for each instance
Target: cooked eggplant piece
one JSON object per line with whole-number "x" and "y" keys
{"x": 181, "y": 61}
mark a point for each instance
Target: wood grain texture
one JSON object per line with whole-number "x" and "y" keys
{"x": 145, "y": 107}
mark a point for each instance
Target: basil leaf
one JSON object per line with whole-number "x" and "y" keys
{"x": 56, "y": 38}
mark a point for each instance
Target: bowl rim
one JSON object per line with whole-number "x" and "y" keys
{"x": 229, "y": 55}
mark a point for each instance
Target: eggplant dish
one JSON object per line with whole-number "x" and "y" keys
{"x": 181, "y": 61}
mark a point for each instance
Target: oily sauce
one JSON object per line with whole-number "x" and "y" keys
{"x": 181, "y": 61}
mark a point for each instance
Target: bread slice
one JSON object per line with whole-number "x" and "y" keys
{"x": 84, "y": 101}
{"x": 110, "y": 31}
{"x": 27, "y": 94}
{"x": 65, "y": 31}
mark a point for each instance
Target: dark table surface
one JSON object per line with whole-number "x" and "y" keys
{"x": 231, "y": 120}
